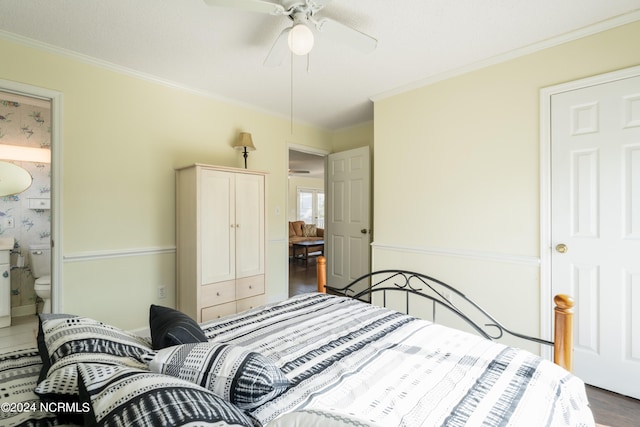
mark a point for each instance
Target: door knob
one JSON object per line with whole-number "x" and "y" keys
{"x": 562, "y": 248}
{"x": 363, "y": 231}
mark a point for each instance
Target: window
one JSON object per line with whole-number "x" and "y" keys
{"x": 311, "y": 206}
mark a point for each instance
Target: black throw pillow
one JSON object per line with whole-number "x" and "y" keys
{"x": 171, "y": 327}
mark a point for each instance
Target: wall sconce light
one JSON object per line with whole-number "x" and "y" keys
{"x": 244, "y": 142}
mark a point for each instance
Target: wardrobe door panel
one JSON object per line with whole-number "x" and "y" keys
{"x": 217, "y": 226}
{"x": 249, "y": 210}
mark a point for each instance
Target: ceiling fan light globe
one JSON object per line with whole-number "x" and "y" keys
{"x": 300, "y": 39}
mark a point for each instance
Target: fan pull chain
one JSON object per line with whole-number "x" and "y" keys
{"x": 291, "y": 88}
{"x": 291, "y": 94}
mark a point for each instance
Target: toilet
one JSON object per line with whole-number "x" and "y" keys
{"x": 40, "y": 255}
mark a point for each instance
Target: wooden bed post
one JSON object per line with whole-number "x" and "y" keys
{"x": 321, "y": 269}
{"x": 563, "y": 333}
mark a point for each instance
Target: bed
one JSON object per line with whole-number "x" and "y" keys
{"x": 316, "y": 359}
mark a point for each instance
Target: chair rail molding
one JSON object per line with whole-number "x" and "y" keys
{"x": 461, "y": 253}
{"x": 117, "y": 253}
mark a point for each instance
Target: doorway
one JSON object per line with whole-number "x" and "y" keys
{"x": 31, "y": 116}
{"x": 305, "y": 202}
{"x": 349, "y": 219}
{"x": 591, "y": 221}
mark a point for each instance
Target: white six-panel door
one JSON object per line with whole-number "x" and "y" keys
{"x": 595, "y": 227}
{"x": 348, "y": 216}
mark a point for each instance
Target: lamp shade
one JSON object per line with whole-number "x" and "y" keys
{"x": 300, "y": 39}
{"x": 244, "y": 141}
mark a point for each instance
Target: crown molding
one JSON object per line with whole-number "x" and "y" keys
{"x": 526, "y": 50}
{"x": 106, "y": 65}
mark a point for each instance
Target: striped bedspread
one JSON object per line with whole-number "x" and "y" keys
{"x": 390, "y": 369}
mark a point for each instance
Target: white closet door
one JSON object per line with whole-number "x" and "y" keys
{"x": 596, "y": 227}
{"x": 217, "y": 226}
{"x": 249, "y": 225}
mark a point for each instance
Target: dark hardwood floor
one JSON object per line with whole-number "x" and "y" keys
{"x": 302, "y": 279}
{"x": 609, "y": 409}
{"x": 613, "y": 409}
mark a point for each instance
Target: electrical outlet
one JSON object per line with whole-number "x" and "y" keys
{"x": 162, "y": 292}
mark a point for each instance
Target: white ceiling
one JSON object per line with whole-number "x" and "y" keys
{"x": 219, "y": 51}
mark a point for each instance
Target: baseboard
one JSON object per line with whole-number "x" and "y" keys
{"x": 23, "y": 310}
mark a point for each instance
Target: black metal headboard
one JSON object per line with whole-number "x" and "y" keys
{"x": 439, "y": 293}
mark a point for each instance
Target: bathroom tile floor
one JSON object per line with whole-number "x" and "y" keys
{"x": 21, "y": 334}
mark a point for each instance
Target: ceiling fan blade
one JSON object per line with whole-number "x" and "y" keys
{"x": 279, "y": 50}
{"x": 319, "y": 4}
{"x": 347, "y": 35}
{"x": 260, "y": 6}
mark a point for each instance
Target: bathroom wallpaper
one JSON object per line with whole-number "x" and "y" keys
{"x": 25, "y": 122}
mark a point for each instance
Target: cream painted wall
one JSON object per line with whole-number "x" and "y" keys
{"x": 122, "y": 138}
{"x": 353, "y": 137}
{"x": 465, "y": 151}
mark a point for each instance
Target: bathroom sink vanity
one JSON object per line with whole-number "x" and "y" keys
{"x": 6, "y": 245}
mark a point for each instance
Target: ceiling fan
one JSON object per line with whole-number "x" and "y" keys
{"x": 299, "y": 37}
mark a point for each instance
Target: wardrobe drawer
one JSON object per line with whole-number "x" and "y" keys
{"x": 218, "y": 311}
{"x": 249, "y": 303}
{"x": 217, "y": 293}
{"x": 249, "y": 286}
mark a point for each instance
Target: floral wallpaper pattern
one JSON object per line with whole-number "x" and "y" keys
{"x": 25, "y": 123}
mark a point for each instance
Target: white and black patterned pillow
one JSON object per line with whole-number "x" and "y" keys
{"x": 42, "y": 347}
{"x": 18, "y": 377}
{"x": 121, "y": 396}
{"x": 242, "y": 377}
{"x": 67, "y": 341}
{"x": 171, "y": 327}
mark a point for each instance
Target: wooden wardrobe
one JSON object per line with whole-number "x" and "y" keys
{"x": 220, "y": 235}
